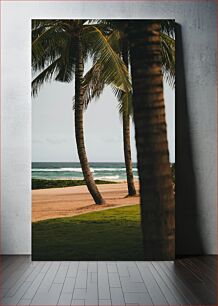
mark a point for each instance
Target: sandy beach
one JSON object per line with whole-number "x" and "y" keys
{"x": 72, "y": 201}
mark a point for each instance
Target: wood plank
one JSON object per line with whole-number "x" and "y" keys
{"x": 3, "y": 292}
{"x": 69, "y": 285}
{"x": 94, "y": 277}
{"x": 5, "y": 262}
{"x": 130, "y": 286}
{"x": 65, "y": 298}
{"x": 46, "y": 267}
{"x": 114, "y": 280}
{"x": 17, "y": 297}
{"x": 103, "y": 282}
{"x": 11, "y": 276}
{"x": 91, "y": 294}
{"x": 31, "y": 291}
{"x": 112, "y": 267}
{"x": 78, "y": 302}
{"x": 49, "y": 277}
{"x": 24, "y": 302}
{"x": 105, "y": 302}
{"x": 83, "y": 265}
{"x": 73, "y": 268}
{"x": 153, "y": 289}
{"x": 92, "y": 266}
{"x": 198, "y": 288}
{"x": 190, "y": 286}
{"x": 81, "y": 279}
{"x": 212, "y": 258}
{"x": 48, "y": 298}
{"x": 26, "y": 276}
{"x": 138, "y": 298}
{"x": 35, "y": 272}
{"x": 13, "y": 263}
{"x": 79, "y": 294}
{"x": 122, "y": 269}
{"x": 134, "y": 273}
{"x": 117, "y": 297}
{"x": 169, "y": 281}
{"x": 209, "y": 262}
{"x": 167, "y": 292}
{"x": 201, "y": 272}
{"x": 61, "y": 273}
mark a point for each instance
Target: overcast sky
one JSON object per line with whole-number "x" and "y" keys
{"x": 53, "y": 126}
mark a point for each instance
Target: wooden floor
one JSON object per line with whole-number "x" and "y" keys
{"x": 188, "y": 281}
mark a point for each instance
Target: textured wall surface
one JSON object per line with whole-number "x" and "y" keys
{"x": 198, "y": 95}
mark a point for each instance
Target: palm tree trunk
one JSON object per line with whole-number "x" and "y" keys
{"x": 157, "y": 199}
{"x": 126, "y": 131}
{"x": 79, "y": 128}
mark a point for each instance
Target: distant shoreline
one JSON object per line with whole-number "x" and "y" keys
{"x": 61, "y": 183}
{"x": 111, "y": 172}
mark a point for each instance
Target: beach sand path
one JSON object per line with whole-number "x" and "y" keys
{"x": 71, "y": 201}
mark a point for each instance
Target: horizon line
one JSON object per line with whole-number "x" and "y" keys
{"x": 171, "y": 162}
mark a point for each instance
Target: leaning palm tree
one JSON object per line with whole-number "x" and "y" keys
{"x": 59, "y": 50}
{"x": 126, "y": 98}
{"x": 94, "y": 86}
{"x": 157, "y": 199}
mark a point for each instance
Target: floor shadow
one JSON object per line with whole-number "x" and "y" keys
{"x": 188, "y": 237}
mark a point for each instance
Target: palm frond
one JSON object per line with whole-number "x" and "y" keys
{"x": 114, "y": 70}
{"x": 46, "y": 75}
{"x": 48, "y": 46}
{"x": 114, "y": 39}
{"x": 68, "y": 61}
{"x": 40, "y": 25}
{"x": 46, "y": 33}
{"x": 168, "y": 27}
{"x": 93, "y": 85}
{"x": 124, "y": 101}
{"x": 168, "y": 58}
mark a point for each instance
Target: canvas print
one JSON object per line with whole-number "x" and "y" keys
{"x": 103, "y": 139}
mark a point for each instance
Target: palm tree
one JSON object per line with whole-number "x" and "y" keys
{"x": 168, "y": 65}
{"x": 94, "y": 86}
{"x": 157, "y": 199}
{"x": 126, "y": 123}
{"x": 59, "y": 50}
{"x": 118, "y": 39}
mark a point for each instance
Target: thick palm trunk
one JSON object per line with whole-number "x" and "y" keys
{"x": 79, "y": 129}
{"x": 157, "y": 199}
{"x": 126, "y": 132}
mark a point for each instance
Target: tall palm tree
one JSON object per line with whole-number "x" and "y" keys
{"x": 94, "y": 86}
{"x": 157, "y": 199}
{"x": 59, "y": 50}
{"x": 126, "y": 123}
{"x": 118, "y": 39}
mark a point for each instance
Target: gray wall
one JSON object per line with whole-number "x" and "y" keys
{"x": 196, "y": 209}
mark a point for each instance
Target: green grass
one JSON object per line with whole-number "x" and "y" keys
{"x": 43, "y": 183}
{"x": 112, "y": 234}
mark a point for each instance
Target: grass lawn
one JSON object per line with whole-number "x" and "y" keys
{"x": 112, "y": 234}
{"x": 43, "y": 183}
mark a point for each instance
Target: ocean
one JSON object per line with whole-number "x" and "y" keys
{"x": 72, "y": 171}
